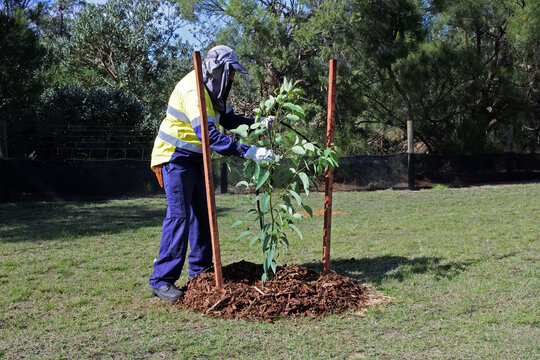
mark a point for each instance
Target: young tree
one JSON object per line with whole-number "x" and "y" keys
{"x": 278, "y": 184}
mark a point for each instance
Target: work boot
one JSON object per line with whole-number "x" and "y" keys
{"x": 168, "y": 292}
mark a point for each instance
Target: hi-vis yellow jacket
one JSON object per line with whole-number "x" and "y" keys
{"x": 179, "y": 136}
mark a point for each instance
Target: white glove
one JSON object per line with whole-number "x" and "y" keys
{"x": 258, "y": 154}
{"x": 267, "y": 122}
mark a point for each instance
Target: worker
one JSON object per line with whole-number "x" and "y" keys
{"x": 178, "y": 163}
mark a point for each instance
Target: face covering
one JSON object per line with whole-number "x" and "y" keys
{"x": 216, "y": 69}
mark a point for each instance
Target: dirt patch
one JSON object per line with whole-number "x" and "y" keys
{"x": 320, "y": 212}
{"x": 294, "y": 291}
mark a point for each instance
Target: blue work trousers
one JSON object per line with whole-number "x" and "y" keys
{"x": 186, "y": 221}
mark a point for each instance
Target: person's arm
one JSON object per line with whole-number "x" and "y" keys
{"x": 219, "y": 142}
{"x": 223, "y": 144}
{"x": 232, "y": 121}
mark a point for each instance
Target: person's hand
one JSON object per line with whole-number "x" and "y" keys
{"x": 259, "y": 154}
{"x": 267, "y": 122}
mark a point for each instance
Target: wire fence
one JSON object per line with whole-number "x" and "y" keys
{"x": 102, "y": 143}
{"x": 22, "y": 179}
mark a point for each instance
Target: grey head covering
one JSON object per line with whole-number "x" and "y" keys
{"x": 216, "y": 68}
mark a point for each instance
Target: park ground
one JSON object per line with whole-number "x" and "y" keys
{"x": 459, "y": 268}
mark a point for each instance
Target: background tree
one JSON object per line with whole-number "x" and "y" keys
{"x": 20, "y": 83}
{"x": 523, "y": 29}
{"x": 462, "y": 70}
{"x": 133, "y": 46}
{"x": 275, "y": 39}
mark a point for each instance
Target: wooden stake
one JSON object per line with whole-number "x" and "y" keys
{"x": 209, "y": 178}
{"x": 329, "y": 178}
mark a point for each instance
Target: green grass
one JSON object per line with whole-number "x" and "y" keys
{"x": 462, "y": 267}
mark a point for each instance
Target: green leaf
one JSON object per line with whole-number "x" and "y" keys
{"x": 335, "y": 158}
{"x": 251, "y": 212}
{"x": 292, "y": 226}
{"x": 264, "y": 231}
{"x": 286, "y": 86}
{"x": 298, "y": 150}
{"x": 285, "y": 240}
{"x": 257, "y": 132}
{"x": 298, "y": 216}
{"x": 264, "y": 277}
{"x": 241, "y": 130}
{"x": 293, "y": 107}
{"x": 243, "y": 183}
{"x": 305, "y": 181}
{"x": 263, "y": 176}
{"x": 296, "y": 197}
{"x": 264, "y": 143}
{"x": 292, "y": 117}
{"x": 273, "y": 265}
{"x": 237, "y": 222}
{"x": 253, "y": 239}
{"x": 295, "y": 187}
{"x": 256, "y": 171}
{"x": 270, "y": 255}
{"x": 241, "y": 202}
{"x": 269, "y": 104}
{"x": 288, "y": 206}
{"x": 244, "y": 234}
{"x": 308, "y": 210}
{"x": 264, "y": 203}
{"x": 309, "y": 146}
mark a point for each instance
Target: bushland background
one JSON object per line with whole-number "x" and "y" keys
{"x": 91, "y": 79}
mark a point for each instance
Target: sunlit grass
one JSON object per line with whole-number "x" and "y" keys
{"x": 461, "y": 265}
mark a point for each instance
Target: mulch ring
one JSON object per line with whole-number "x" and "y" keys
{"x": 294, "y": 291}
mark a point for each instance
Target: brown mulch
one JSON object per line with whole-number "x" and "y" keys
{"x": 294, "y": 291}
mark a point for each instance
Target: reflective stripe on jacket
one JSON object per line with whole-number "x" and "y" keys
{"x": 179, "y": 135}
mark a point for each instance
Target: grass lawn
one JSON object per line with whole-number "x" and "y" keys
{"x": 461, "y": 265}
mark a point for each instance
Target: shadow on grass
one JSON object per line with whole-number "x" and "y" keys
{"x": 29, "y": 222}
{"x": 379, "y": 269}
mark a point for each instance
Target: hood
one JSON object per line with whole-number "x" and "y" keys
{"x": 216, "y": 68}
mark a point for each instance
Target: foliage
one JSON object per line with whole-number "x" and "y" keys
{"x": 461, "y": 70}
{"x": 275, "y": 40}
{"x": 20, "y": 80}
{"x": 279, "y": 183}
{"x": 20, "y": 57}
{"x": 133, "y": 46}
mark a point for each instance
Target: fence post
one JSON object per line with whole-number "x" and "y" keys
{"x": 510, "y": 138}
{"x": 509, "y": 155}
{"x": 3, "y": 140}
{"x": 410, "y": 154}
{"x": 223, "y": 177}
